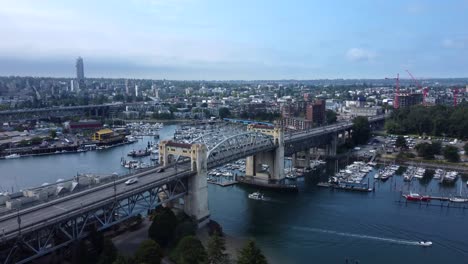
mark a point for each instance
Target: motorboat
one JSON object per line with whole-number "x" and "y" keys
{"x": 458, "y": 200}
{"x": 256, "y": 196}
{"x": 291, "y": 176}
{"x": 13, "y": 156}
{"x": 425, "y": 243}
{"x": 416, "y": 197}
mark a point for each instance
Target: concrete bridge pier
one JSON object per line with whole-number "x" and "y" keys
{"x": 301, "y": 159}
{"x": 274, "y": 159}
{"x": 196, "y": 200}
{"x": 331, "y": 148}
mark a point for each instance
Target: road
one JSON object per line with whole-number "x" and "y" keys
{"x": 40, "y": 215}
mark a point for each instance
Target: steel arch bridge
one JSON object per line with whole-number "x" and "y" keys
{"x": 235, "y": 145}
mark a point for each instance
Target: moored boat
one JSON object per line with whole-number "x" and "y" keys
{"x": 417, "y": 197}
{"x": 13, "y": 156}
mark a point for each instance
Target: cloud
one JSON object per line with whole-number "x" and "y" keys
{"x": 359, "y": 54}
{"x": 416, "y": 8}
{"x": 455, "y": 43}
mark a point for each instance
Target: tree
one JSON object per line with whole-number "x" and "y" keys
{"x": 436, "y": 147}
{"x": 186, "y": 228}
{"x": 189, "y": 251}
{"x": 465, "y": 148}
{"x": 425, "y": 150}
{"x": 109, "y": 252}
{"x": 331, "y": 116}
{"x": 52, "y": 134}
{"x": 401, "y": 142}
{"x": 96, "y": 239}
{"x": 361, "y": 130}
{"x": 215, "y": 250}
{"x": 122, "y": 260}
{"x": 251, "y": 254}
{"x": 82, "y": 253}
{"x": 36, "y": 140}
{"x": 163, "y": 226}
{"x": 204, "y": 105}
{"x": 149, "y": 252}
{"x": 224, "y": 112}
{"x": 451, "y": 154}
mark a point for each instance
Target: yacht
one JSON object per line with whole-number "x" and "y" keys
{"x": 458, "y": 200}
{"x": 425, "y": 243}
{"x": 256, "y": 196}
{"x": 12, "y": 156}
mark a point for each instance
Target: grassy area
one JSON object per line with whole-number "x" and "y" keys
{"x": 440, "y": 162}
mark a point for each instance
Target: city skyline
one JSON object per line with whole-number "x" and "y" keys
{"x": 207, "y": 40}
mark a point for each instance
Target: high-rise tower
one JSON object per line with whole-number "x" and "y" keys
{"x": 79, "y": 69}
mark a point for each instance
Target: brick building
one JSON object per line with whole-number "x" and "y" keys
{"x": 315, "y": 112}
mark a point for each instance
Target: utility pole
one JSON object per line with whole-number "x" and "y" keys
{"x": 19, "y": 223}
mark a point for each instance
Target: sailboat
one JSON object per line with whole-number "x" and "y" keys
{"x": 459, "y": 198}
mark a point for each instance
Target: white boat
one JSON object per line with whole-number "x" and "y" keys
{"x": 12, "y": 156}
{"x": 291, "y": 176}
{"x": 425, "y": 243}
{"x": 458, "y": 200}
{"x": 377, "y": 175}
{"x": 256, "y": 196}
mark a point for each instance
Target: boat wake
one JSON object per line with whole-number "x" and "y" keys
{"x": 384, "y": 239}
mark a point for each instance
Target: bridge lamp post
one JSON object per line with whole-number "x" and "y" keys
{"x": 19, "y": 223}
{"x": 115, "y": 190}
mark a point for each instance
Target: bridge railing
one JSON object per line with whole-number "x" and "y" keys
{"x": 57, "y": 199}
{"x": 93, "y": 206}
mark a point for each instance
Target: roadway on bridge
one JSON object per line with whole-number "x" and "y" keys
{"x": 39, "y": 215}
{"x": 340, "y": 126}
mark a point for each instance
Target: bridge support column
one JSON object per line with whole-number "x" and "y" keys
{"x": 196, "y": 200}
{"x": 278, "y": 166}
{"x": 301, "y": 159}
{"x": 274, "y": 159}
{"x": 250, "y": 166}
{"x": 331, "y": 148}
{"x": 294, "y": 160}
{"x": 307, "y": 159}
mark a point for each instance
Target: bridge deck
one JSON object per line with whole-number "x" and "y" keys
{"x": 46, "y": 213}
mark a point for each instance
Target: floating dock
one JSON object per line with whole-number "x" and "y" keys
{"x": 267, "y": 185}
{"x": 223, "y": 184}
{"x": 345, "y": 187}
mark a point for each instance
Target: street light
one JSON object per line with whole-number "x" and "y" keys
{"x": 19, "y": 223}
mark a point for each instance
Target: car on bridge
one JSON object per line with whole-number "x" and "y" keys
{"x": 131, "y": 181}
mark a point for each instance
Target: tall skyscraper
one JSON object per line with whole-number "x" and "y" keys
{"x": 127, "y": 89}
{"x": 79, "y": 69}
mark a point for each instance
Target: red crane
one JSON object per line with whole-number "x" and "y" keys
{"x": 424, "y": 90}
{"x": 396, "y": 104}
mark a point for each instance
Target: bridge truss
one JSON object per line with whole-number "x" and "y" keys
{"x": 238, "y": 146}
{"x": 30, "y": 242}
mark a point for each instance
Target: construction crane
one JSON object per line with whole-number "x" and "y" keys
{"x": 396, "y": 104}
{"x": 424, "y": 90}
{"x": 455, "y": 97}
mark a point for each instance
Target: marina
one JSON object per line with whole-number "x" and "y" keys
{"x": 317, "y": 207}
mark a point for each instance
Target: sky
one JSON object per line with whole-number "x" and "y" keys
{"x": 233, "y": 40}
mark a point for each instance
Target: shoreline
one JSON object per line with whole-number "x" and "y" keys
{"x": 233, "y": 244}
